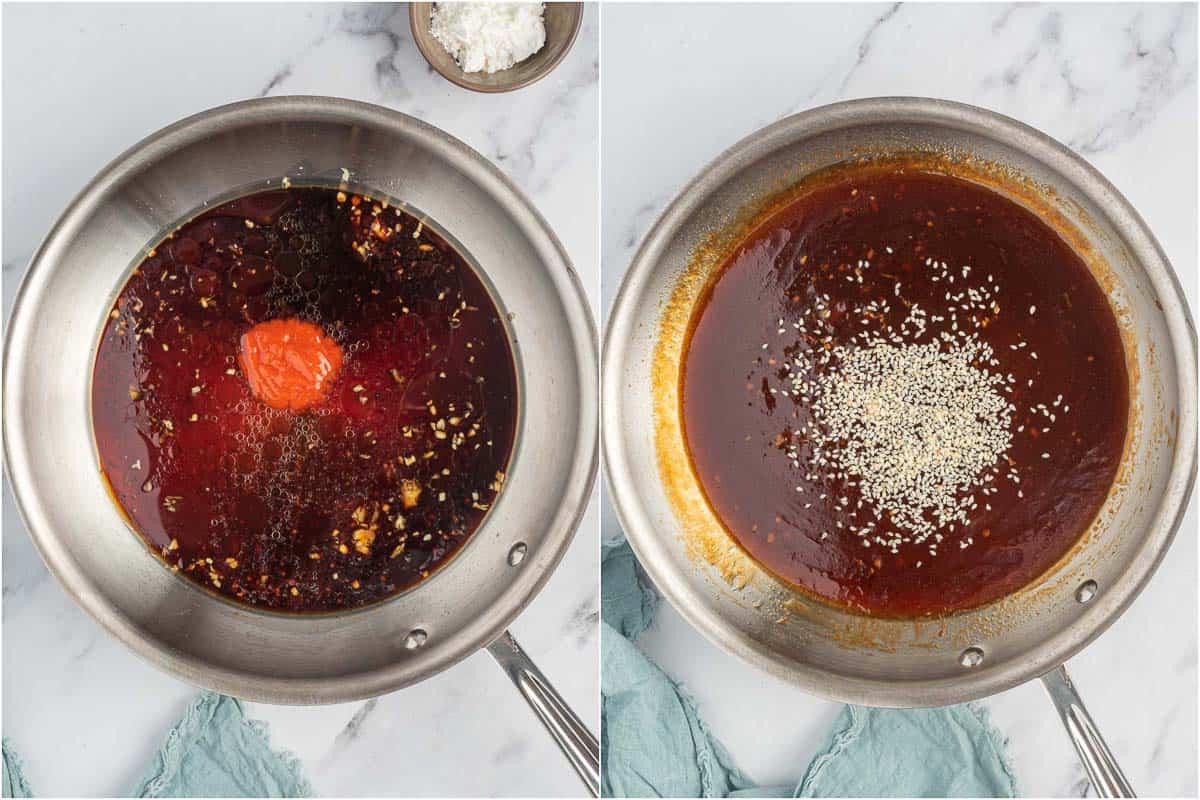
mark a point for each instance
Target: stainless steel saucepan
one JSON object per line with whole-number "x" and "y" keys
{"x": 279, "y": 658}
{"x": 830, "y": 651}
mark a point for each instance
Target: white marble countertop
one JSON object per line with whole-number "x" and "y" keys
{"x": 83, "y": 82}
{"x": 1117, "y": 84}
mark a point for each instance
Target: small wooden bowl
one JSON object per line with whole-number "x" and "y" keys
{"x": 562, "y": 26}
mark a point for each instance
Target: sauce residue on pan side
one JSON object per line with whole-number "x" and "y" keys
{"x": 372, "y": 433}
{"x": 904, "y": 393}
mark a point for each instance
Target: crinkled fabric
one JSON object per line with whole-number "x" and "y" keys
{"x": 654, "y": 743}
{"x": 951, "y": 751}
{"x": 14, "y": 779}
{"x": 214, "y": 751}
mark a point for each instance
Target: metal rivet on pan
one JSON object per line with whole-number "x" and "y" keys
{"x": 971, "y": 657}
{"x": 517, "y": 554}
{"x": 1086, "y": 591}
{"x": 415, "y": 639}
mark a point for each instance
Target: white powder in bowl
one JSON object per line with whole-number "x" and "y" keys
{"x": 488, "y": 37}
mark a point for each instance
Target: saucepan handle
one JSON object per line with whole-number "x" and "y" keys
{"x": 1102, "y": 768}
{"x": 572, "y": 736}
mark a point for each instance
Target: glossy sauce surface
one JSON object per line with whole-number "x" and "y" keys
{"x": 372, "y": 434}
{"x": 898, "y": 260}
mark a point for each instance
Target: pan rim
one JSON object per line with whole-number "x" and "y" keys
{"x": 622, "y": 324}
{"x": 71, "y": 576}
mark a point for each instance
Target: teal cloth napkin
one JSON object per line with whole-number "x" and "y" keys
{"x": 14, "y": 784}
{"x": 214, "y": 751}
{"x": 654, "y": 743}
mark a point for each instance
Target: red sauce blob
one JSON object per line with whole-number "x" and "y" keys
{"x": 289, "y": 363}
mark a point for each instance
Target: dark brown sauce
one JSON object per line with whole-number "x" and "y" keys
{"x": 850, "y": 260}
{"x": 391, "y": 462}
